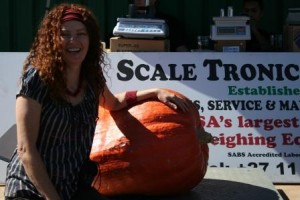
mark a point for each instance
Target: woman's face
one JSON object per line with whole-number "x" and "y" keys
{"x": 75, "y": 42}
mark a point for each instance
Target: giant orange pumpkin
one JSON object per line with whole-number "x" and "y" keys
{"x": 148, "y": 149}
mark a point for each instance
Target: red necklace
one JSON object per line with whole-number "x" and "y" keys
{"x": 77, "y": 91}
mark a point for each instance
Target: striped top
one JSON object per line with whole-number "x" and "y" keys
{"x": 64, "y": 141}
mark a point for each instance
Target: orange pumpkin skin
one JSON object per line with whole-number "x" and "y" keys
{"x": 148, "y": 149}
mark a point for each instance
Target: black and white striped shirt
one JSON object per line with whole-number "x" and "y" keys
{"x": 64, "y": 141}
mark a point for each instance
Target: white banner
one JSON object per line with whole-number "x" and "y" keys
{"x": 248, "y": 101}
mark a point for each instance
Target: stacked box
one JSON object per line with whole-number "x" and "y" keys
{"x": 119, "y": 44}
{"x": 230, "y": 45}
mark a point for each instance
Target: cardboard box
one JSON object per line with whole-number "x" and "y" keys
{"x": 230, "y": 45}
{"x": 291, "y": 38}
{"x": 118, "y": 44}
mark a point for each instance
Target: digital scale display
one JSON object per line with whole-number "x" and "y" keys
{"x": 231, "y": 28}
{"x": 140, "y": 28}
{"x": 227, "y": 30}
{"x": 131, "y": 27}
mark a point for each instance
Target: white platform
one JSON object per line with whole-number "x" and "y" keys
{"x": 227, "y": 184}
{"x": 235, "y": 184}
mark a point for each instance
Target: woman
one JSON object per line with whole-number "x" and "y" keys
{"x": 56, "y": 108}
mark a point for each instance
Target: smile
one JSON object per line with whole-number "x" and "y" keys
{"x": 73, "y": 50}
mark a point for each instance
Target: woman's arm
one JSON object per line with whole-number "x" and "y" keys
{"x": 28, "y": 113}
{"x": 119, "y": 101}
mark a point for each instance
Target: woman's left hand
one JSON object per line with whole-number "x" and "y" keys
{"x": 173, "y": 100}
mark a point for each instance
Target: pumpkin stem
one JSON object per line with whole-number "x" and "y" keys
{"x": 203, "y": 136}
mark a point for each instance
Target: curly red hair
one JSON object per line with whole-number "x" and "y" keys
{"x": 46, "y": 51}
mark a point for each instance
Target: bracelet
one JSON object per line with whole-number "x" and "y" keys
{"x": 130, "y": 97}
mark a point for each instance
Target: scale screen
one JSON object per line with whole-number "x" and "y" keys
{"x": 230, "y": 32}
{"x": 140, "y": 28}
{"x": 237, "y": 30}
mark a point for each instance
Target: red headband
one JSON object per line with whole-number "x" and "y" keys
{"x": 71, "y": 14}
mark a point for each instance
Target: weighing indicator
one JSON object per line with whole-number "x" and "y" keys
{"x": 230, "y": 28}
{"x": 141, "y": 28}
